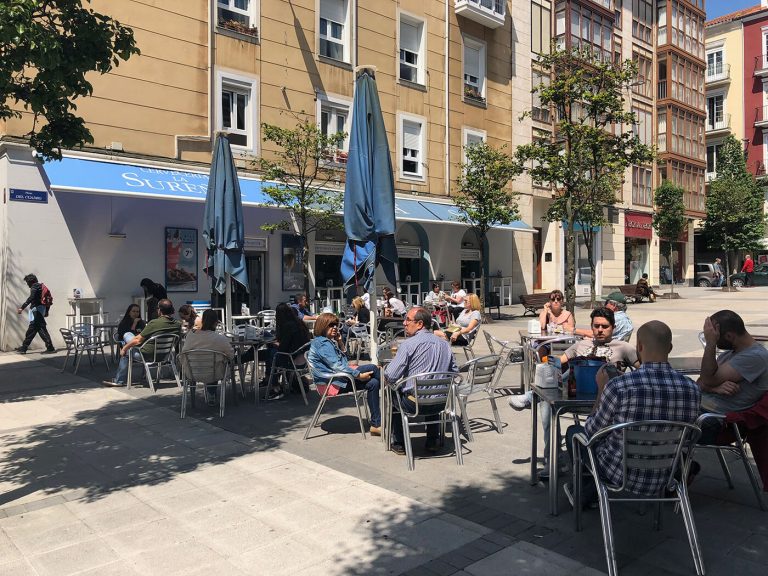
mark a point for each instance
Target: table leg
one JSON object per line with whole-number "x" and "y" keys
{"x": 554, "y": 449}
{"x": 534, "y": 437}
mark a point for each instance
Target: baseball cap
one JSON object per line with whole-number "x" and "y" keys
{"x": 616, "y": 297}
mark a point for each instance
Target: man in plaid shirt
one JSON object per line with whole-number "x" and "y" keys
{"x": 654, "y": 391}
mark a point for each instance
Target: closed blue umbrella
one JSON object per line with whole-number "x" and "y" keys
{"x": 223, "y": 229}
{"x": 369, "y": 192}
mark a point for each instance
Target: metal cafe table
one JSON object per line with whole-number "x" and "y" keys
{"x": 530, "y": 341}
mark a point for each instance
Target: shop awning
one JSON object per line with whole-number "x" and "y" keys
{"x": 143, "y": 181}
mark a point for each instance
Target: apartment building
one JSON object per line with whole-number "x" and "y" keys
{"x": 448, "y": 72}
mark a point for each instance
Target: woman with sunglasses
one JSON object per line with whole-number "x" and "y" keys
{"x": 326, "y": 357}
{"x": 555, "y": 313}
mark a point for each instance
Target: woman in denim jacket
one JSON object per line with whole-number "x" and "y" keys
{"x": 326, "y": 357}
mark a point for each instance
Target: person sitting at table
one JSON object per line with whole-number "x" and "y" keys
{"x": 555, "y": 313}
{"x": 190, "y": 319}
{"x": 420, "y": 352}
{"x": 153, "y": 293}
{"x": 735, "y": 380}
{"x": 623, "y": 327}
{"x": 290, "y": 335}
{"x": 456, "y": 299}
{"x": 131, "y": 324}
{"x": 436, "y": 299}
{"x": 326, "y": 357}
{"x": 393, "y": 306}
{"x": 362, "y": 316}
{"x": 644, "y": 290}
{"x": 468, "y": 323}
{"x": 655, "y": 391}
{"x": 301, "y": 307}
{"x": 206, "y": 338}
{"x": 163, "y": 324}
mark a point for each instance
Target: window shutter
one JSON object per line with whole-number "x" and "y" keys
{"x": 409, "y": 36}
{"x": 411, "y": 135}
{"x": 471, "y": 61}
{"x": 332, "y": 10}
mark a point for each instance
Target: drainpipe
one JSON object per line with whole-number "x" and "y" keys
{"x": 447, "y": 109}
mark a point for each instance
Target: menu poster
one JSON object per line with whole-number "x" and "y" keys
{"x": 293, "y": 274}
{"x": 181, "y": 259}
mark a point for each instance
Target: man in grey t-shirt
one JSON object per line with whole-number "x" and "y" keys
{"x": 602, "y": 344}
{"x": 738, "y": 378}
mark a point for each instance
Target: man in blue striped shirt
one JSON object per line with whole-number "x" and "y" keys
{"x": 421, "y": 352}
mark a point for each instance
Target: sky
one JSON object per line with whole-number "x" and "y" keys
{"x": 717, "y": 8}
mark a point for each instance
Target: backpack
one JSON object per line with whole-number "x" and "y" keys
{"x": 46, "y": 298}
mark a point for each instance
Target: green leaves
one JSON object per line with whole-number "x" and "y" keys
{"x": 669, "y": 219}
{"x": 47, "y": 50}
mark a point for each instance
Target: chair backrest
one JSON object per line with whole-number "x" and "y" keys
{"x": 83, "y": 329}
{"x": 68, "y": 337}
{"x": 481, "y": 373}
{"x": 431, "y": 389}
{"x": 266, "y": 318}
{"x": 360, "y": 331}
{"x": 652, "y": 445}
{"x": 207, "y": 366}
{"x": 628, "y": 335}
{"x": 165, "y": 344}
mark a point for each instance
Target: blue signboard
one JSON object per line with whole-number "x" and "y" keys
{"x": 36, "y": 196}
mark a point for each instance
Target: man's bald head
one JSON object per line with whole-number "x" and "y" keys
{"x": 654, "y": 341}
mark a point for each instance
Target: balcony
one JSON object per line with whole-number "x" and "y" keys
{"x": 761, "y": 117}
{"x": 719, "y": 74}
{"x": 661, "y": 89}
{"x": 759, "y": 169}
{"x": 709, "y": 176}
{"x": 761, "y": 65}
{"x": 717, "y": 125}
{"x": 489, "y": 13}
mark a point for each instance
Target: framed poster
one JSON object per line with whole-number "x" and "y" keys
{"x": 293, "y": 275}
{"x": 181, "y": 259}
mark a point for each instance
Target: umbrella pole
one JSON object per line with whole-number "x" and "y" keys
{"x": 228, "y": 304}
{"x": 374, "y": 319}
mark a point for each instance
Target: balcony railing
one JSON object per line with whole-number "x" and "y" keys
{"x": 718, "y": 73}
{"x": 489, "y": 13}
{"x": 472, "y": 93}
{"x": 761, "y": 65}
{"x": 661, "y": 90}
{"x": 715, "y": 124}
{"x": 761, "y": 116}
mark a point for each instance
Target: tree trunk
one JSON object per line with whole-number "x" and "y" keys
{"x": 570, "y": 257}
{"x": 589, "y": 244}
{"x": 671, "y": 267}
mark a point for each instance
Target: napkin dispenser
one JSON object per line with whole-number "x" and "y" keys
{"x": 534, "y": 327}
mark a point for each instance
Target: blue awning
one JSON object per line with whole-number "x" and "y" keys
{"x": 83, "y": 175}
{"x": 144, "y": 181}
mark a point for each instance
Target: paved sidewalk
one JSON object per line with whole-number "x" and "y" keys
{"x": 95, "y": 481}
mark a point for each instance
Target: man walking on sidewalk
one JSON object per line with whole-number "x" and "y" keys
{"x": 37, "y": 313}
{"x": 748, "y": 269}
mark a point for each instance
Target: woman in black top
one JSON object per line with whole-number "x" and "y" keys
{"x": 290, "y": 332}
{"x": 153, "y": 293}
{"x": 131, "y": 323}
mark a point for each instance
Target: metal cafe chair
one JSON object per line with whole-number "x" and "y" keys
{"x": 205, "y": 367}
{"x": 329, "y": 390}
{"x": 511, "y": 355}
{"x": 647, "y": 445}
{"x": 266, "y": 318}
{"x": 358, "y": 341}
{"x": 737, "y": 447}
{"x": 290, "y": 365}
{"x": 78, "y": 341}
{"x": 164, "y": 354}
{"x": 436, "y": 391}
{"x": 481, "y": 375}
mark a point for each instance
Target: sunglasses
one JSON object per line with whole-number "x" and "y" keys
{"x": 333, "y": 325}
{"x": 556, "y": 299}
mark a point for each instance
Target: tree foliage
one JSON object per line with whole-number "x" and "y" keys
{"x": 669, "y": 219}
{"x": 592, "y": 147}
{"x": 46, "y": 50}
{"x": 303, "y": 169}
{"x": 735, "y": 218}
{"x": 483, "y": 197}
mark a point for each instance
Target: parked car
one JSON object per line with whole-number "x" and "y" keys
{"x": 759, "y": 277}
{"x": 705, "y": 275}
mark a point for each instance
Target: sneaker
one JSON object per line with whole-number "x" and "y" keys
{"x": 49, "y": 351}
{"x": 398, "y": 449}
{"x": 520, "y": 401}
{"x": 21, "y": 350}
{"x": 275, "y": 395}
{"x": 589, "y": 502}
{"x": 375, "y": 430}
{"x": 111, "y": 383}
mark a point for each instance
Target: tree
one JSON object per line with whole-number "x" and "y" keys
{"x": 585, "y": 161}
{"x": 47, "y": 50}
{"x": 303, "y": 167}
{"x": 483, "y": 197}
{"x": 669, "y": 219}
{"x": 735, "y": 217}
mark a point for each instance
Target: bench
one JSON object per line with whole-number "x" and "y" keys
{"x": 628, "y": 290}
{"x": 532, "y": 302}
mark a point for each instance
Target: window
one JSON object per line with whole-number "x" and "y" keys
{"x": 643, "y": 85}
{"x": 334, "y": 117}
{"x": 686, "y": 29}
{"x": 539, "y": 112}
{"x": 411, "y": 50}
{"x": 643, "y": 128}
{"x": 715, "y": 68}
{"x": 589, "y": 30}
{"x": 541, "y": 26}
{"x": 642, "y": 188}
{"x": 642, "y": 20}
{"x": 472, "y": 136}
{"x": 412, "y": 146}
{"x": 715, "y": 116}
{"x": 239, "y": 11}
{"x": 474, "y": 70}
{"x": 237, "y": 110}
{"x": 713, "y": 157}
{"x": 334, "y": 29}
